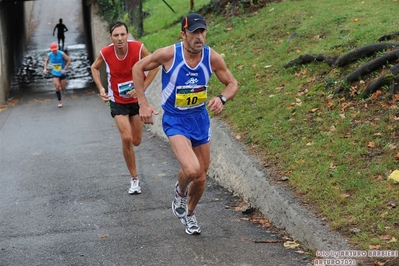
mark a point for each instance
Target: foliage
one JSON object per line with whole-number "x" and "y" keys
{"x": 111, "y": 10}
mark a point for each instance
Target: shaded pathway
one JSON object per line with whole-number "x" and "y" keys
{"x": 44, "y": 17}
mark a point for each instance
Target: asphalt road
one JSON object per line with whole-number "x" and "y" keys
{"x": 64, "y": 183}
{"x": 64, "y": 197}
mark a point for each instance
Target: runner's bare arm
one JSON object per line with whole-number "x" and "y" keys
{"x": 45, "y": 65}
{"x": 95, "y": 72}
{"x": 226, "y": 77}
{"x": 67, "y": 62}
{"x": 150, "y": 62}
{"x": 152, "y": 73}
{"x": 160, "y": 57}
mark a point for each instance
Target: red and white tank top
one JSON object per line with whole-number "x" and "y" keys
{"x": 119, "y": 71}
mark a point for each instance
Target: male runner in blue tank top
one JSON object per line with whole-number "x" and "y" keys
{"x": 186, "y": 70}
{"x": 60, "y": 62}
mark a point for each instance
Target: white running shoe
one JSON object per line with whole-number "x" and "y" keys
{"x": 59, "y": 104}
{"x": 134, "y": 186}
{"x": 179, "y": 204}
{"x": 192, "y": 227}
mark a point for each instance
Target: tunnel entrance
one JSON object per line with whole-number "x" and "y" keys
{"x": 45, "y": 14}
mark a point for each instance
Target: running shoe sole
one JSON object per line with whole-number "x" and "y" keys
{"x": 134, "y": 192}
{"x": 193, "y": 232}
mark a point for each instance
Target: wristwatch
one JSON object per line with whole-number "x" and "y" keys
{"x": 222, "y": 98}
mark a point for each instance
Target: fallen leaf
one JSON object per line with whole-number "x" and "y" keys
{"x": 392, "y": 203}
{"x": 291, "y": 244}
{"x": 394, "y": 176}
{"x": 383, "y": 214}
{"x": 263, "y": 221}
{"x": 380, "y": 178}
{"x": 374, "y": 246}
{"x": 371, "y": 144}
{"x": 376, "y": 94}
{"x": 160, "y": 175}
{"x": 392, "y": 147}
{"x": 385, "y": 237}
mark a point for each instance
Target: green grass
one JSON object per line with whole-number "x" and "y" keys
{"x": 290, "y": 118}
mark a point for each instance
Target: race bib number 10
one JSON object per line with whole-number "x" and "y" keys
{"x": 190, "y": 96}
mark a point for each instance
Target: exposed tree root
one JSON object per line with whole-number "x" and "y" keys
{"x": 309, "y": 58}
{"x": 388, "y": 79}
{"x": 364, "y": 51}
{"x": 344, "y": 60}
{"x": 369, "y": 67}
{"x": 388, "y": 37}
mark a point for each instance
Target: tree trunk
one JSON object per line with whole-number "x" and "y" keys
{"x": 135, "y": 11}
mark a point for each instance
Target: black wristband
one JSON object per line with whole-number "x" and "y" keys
{"x": 222, "y": 98}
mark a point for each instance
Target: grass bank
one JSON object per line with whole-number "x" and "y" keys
{"x": 336, "y": 149}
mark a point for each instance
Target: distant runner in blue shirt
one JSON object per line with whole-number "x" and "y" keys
{"x": 60, "y": 62}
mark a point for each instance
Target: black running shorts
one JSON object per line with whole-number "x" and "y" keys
{"x": 130, "y": 109}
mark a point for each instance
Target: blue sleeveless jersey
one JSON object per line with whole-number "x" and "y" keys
{"x": 57, "y": 62}
{"x": 184, "y": 89}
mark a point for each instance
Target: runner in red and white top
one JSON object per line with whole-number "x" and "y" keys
{"x": 119, "y": 59}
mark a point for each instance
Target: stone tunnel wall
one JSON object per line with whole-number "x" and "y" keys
{"x": 13, "y": 40}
